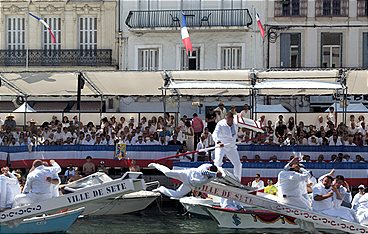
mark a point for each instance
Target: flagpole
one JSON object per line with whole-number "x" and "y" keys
{"x": 27, "y": 44}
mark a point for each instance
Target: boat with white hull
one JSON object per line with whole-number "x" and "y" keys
{"x": 122, "y": 204}
{"x": 94, "y": 190}
{"x": 59, "y": 222}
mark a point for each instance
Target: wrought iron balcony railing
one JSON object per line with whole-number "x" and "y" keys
{"x": 194, "y": 18}
{"x": 98, "y": 57}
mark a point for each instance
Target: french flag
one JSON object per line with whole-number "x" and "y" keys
{"x": 53, "y": 39}
{"x": 185, "y": 35}
{"x": 260, "y": 26}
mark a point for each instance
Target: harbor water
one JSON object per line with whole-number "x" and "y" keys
{"x": 153, "y": 220}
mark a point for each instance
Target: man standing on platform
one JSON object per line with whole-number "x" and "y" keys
{"x": 226, "y": 133}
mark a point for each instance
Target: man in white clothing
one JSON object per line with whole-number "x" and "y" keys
{"x": 324, "y": 195}
{"x": 190, "y": 178}
{"x": 226, "y": 133}
{"x": 9, "y": 188}
{"x": 292, "y": 181}
{"x": 362, "y": 209}
{"x": 38, "y": 185}
{"x": 357, "y": 196}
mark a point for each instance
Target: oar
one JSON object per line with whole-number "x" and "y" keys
{"x": 192, "y": 152}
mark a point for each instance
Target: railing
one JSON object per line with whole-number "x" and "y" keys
{"x": 291, "y": 8}
{"x": 194, "y": 18}
{"x": 362, "y": 7}
{"x": 332, "y": 8}
{"x": 98, "y": 57}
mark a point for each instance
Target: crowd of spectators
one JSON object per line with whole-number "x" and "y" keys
{"x": 193, "y": 132}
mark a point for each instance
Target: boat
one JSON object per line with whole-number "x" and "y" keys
{"x": 96, "y": 187}
{"x": 122, "y": 204}
{"x": 59, "y": 222}
{"x": 194, "y": 205}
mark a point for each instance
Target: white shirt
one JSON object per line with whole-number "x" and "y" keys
{"x": 225, "y": 133}
{"x": 362, "y": 203}
{"x": 245, "y": 114}
{"x": 36, "y": 180}
{"x": 8, "y": 196}
{"x": 154, "y": 142}
{"x": 220, "y": 114}
{"x": 198, "y": 177}
{"x": 319, "y": 189}
{"x": 355, "y": 200}
{"x": 290, "y": 183}
{"x": 90, "y": 142}
{"x": 258, "y": 185}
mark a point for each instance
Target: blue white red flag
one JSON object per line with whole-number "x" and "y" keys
{"x": 53, "y": 39}
{"x": 185, "y": 35}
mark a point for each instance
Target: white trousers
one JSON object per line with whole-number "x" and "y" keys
{"x": 181, "y": 175}
{"x": 362, "y": 216}
{"x": 29, "y": 198}
{"x": 233, "y": 155}
{"x": 341, "y": 212}
{"x": 300, "y": 202}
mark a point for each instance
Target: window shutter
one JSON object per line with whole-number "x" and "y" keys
{"x": 365, "y": 50}
{"x": 285, "y": 50}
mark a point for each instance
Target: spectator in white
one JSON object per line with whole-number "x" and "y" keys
{"x": 357, "y": 196}
{"x": 179, "y": 134}
{"x": 273, "y": 158}
{"x": 291, "y": 127}
{"x": 362, "y": 209}
{"x": 209, "y": 139}
{"x": 220, "y": 112}
{"x": 140, "y": 141}
{"x": 331, "y": 115}
{"x": 182, "y": 122}
{"x": 13, "y": 142}
{"x": 291, "y": 181}
{"x": 58, "y": 135}
{"x": 144, "y": 122}
{"x": 226, "y": 133}
{"x": 122, "y": 121}
{"x": 353, "y": 128}
{"x": 320, "y": 122}
{"x": 362, "y": 128}
{"x": 200, "y": 145}
{"x": 245, "y": 113}
{"x": 109, "y": 141}
{"x": 152, "y": 141}
{"x": 323, "y": 200}
{"x": 347, "y": 158}
{"x": 198, "y": 127}
{"x": 261, "y": 122}
{"x": 257, "y": 182}
{"x": 65, "y": 122}
{"x": 189, "y": 135}
{"x": 38, "y": 184}
{"x": 306, "y": 158}
{"x": 88, "y": 140}
{"x": 65, "y": 134}
{"x": 190, "y": 178}
{"x": 312, "y": 140}
{"x": 335, "y": 141}
{"x": 9, "y": 188}
{"x": 287, "y": 141}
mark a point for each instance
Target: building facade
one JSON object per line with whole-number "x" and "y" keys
{"x": 224, "y": 34}
{"x": 319, "y": 33}
{"x": 84, "y": 31}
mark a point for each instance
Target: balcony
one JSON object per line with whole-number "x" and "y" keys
{"x": 98, "y": 57}
{"x": 195, "y": 18}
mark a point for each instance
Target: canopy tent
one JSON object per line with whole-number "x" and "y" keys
{"x": 270, "y": 108}
{"x": 357, "y": 82}
{"x": 300, "y": 74}
{"x": 24, "y": 108}
{"x": 351, "y": 108}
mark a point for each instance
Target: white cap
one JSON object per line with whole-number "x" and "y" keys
{"x": 361, "y": 186}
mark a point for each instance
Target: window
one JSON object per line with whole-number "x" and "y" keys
{"x": 190, "y": 61}
{"x": 148, "y": 59}
{"x": 332, "y": 8}
{"x": 231, "y": 58}
{"x": 16, "y": 33}
{"x": 365, "y": 50}
{"x": 55, "y": 24}
{"x": 362, "y": 7}
{"x": 88, "y": 33}
{"x": 291, "y": 7}
{"x": 331, "y": 49}
{"x": 290, "y": 51}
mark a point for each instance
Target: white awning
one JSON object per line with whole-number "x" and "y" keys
{"x": 352, "y": 108}
{"x": 306, "y": 74}
{"x": 236, "y": 75}
{"x": 24, "y": 108}
{"x": 208, "y": 85}
{"x": 357, "y": 82}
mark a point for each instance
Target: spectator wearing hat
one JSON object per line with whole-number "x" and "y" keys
{"x": 102, "y": 168}
{"x": 220, "y": 112}
{"x": 9, "y": 123}
{"x": 261, "y": 122}
{"x": 361, "y": 192}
